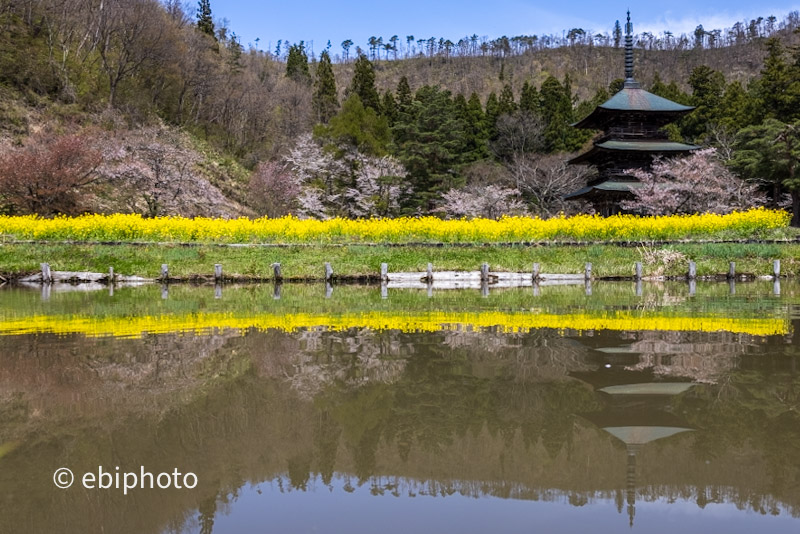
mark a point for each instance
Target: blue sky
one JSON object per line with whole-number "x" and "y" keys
{"x": 316, "y": 22}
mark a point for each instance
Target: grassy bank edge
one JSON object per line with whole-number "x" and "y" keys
{"x": 358, "y": 262}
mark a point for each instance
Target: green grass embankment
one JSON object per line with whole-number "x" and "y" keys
{"x": 362, "y": 262}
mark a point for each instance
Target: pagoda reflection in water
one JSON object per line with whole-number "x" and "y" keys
{"x": 637, "y": 410}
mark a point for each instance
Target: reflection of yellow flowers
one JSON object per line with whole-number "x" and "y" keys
{"x": 119, "y": 227}
{"x": 134, "y": 327}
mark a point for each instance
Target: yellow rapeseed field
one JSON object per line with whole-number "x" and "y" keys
{"x": 127, "y": 228}
{"x": 200, "y": 323}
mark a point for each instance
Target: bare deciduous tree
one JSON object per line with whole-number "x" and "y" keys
{"x": 130, "y": 35}
{"x": 519, "y": 133}
{"x": 545, "y": 180}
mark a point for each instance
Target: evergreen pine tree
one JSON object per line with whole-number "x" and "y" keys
{"x": 356, "y": 127}
{"x": 325, "y": 101}
{"x": 617, "y": 34}
{"x": 506, "y": 104}
{"x": 204, "y": 21}
{"x": 737, "y": 108}
{"x": 476, "y": 129}
{"x": 529, "y": 99}
{"x": 472, "y": 117}
{"x": 557, "y": 114}
{"x": 363, "y": 84}
{"x": 492, "y": 113}
{"x": 776, "y": 81}
{"x": 404, "y": 111}
{"x": 432, "y": 147}
{"x": 770, "y": 152}
{"x": 404, "y": 96}
{"x": 389, "y": 107}
{"x": 297, "y": 64}
{"x": 707, "y": 88}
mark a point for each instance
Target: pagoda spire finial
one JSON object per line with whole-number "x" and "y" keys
{"x": 629, "y": 81}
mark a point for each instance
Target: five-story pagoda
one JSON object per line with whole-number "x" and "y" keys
{"x": 632, "y": 122}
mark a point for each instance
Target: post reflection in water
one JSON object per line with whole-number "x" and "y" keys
{"x": 401, "y": 427}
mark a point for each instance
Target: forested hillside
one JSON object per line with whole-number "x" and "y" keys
{"x": 149, "y": 107}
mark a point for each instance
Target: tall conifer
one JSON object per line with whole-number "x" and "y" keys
{"x": 204, "y": 21}
{"x": 363, "y": 84}
{"x": 325, "y": 101}
{"x": 297, "y": 64}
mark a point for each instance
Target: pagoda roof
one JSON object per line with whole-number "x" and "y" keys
{"x": 639, "y": 435}
{"x": 649, "y": 388}
{"x": 639, "y": 425}
{"x": 631, "y": 98}
{"x": 654, "y": 146}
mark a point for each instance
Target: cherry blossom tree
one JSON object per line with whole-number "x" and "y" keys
{"x": 694, "y": 184}
{"x": 274, "y": 189}
{"x": 490, "y": 202}
{"x": 352, "y": 185}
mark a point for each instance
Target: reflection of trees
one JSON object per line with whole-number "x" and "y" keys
{"x": 451, "y": 412}
{"x": 679, "y": 354}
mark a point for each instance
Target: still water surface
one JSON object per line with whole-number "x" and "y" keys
{"x": 559, "y": 411}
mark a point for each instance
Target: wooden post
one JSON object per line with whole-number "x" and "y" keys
{"x": 111, "y": 276}
{"x": 776, "y": 269}
{"x": 484, "y": 288}
{"x": 276, "y": 272}
{"x": 588, "y": 273}
{"x": 692, "y": 270}
{"x": 218, "y": 272}
{"x": 732, "y": 270}
{"x": 639, "y": 288}
{"x": 384, "y": 280}
{"x": 46, "y": 275}
{"x": 328, "y": 272}
{"x": 164, "y": 272}
{"x": 485, "y": 272}
{"x": 732, "y": 286}
{"x": 638, "y": 268}
{"x": 692, "y": 287}
{"x": 776, "y": 287}
{"x": 429, "y": 276}
{"x": 535, "y": 272}
{"x": 536, "y": 291}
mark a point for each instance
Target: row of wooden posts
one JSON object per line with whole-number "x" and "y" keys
{"x": 47, "y": 276}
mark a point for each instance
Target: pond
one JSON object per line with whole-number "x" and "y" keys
{"x": 297, "y": 409}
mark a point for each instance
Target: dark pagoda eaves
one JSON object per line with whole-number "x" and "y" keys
{"x": 654, "y": 147}
{"x": 631, "y": 99}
